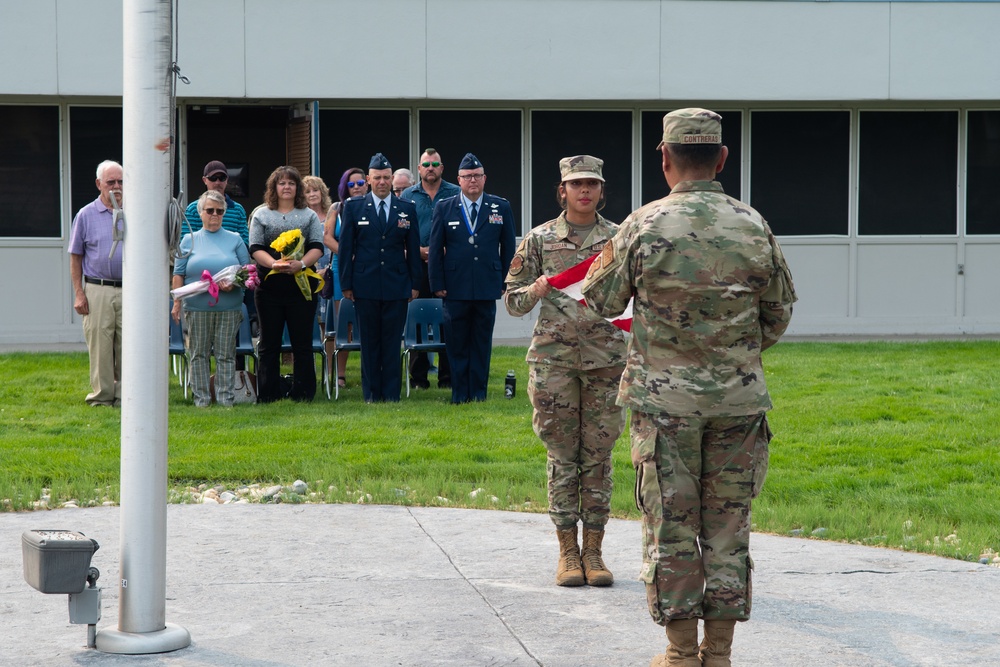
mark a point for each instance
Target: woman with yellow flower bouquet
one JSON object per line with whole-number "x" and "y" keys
{"x": 286, "y": 239}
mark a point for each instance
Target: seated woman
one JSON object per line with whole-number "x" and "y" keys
{"x": 211, "y": 325}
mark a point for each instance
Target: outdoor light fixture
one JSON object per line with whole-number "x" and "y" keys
{"x": 58, "y": 562}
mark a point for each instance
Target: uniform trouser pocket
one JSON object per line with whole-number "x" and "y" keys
{"x": 648, "y": 576}
{"x": 761, "y": 435}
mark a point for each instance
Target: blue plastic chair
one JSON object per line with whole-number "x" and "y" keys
{"x": 178, "y": 353}
{"x": 244, "y": 340}
{"x": 422, "y": 332}
{"x": 345, "y": 336}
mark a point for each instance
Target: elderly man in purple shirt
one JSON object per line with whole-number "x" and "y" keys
{"x": 95, "y": 265}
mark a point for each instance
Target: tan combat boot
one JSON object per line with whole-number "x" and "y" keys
{"x": 594, "y": 569}
{"x": 682, "y": 633}
{"x": 718, "y": 643}
{"x": 569, "y": 571}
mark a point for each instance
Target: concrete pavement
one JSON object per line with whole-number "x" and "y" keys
{"x": 377, "y": 586}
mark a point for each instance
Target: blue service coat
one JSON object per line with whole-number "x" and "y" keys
{"x": 471, "y": 271}
{"x": 379, "y": 264}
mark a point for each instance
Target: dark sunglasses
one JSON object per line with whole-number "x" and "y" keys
{"x": 352, "y": 184}
{"x": 215, "y": 178}
{"x": 214, "y": 211}
{"x": 430, "y": 164}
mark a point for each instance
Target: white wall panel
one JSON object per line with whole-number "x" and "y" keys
{"x": 90, "y": 47}
{"x": 557, "y": 49}
{"x": 308, "y": 49}
{"x": 28, "y": 48}
{"x": 211, "y": 49}
{"x": 39, "y": 310}
{"x": 917, "y": 281}
{"x": 982, "y": 280}
{"x": 945, "y": 51}
{"x": 821, "y": 277}
{"x": 774, "y": 50}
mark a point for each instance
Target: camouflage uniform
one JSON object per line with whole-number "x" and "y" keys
{"x": 575, "y": 363}
{"x": 711, "y": 291}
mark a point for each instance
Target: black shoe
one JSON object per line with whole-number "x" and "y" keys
{"x": 444, "y": 385}
{"x": 420, "y": 384}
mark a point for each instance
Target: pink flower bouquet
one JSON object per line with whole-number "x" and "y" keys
{"x": 240, "y": 276}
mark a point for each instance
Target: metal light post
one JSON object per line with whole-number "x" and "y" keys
{"x": 147, "y": 106}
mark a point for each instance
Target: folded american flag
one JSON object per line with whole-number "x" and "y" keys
{"x": 570, "y": 281}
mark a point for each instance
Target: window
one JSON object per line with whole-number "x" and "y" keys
{"x": 95, "y": 135}
{"x": 29, "y": 171}
{"x": 982, "y": 214}
{"x": 800, "y": 170}
{"x": 652, "y": 182}
{"x": 558, "y": 134}
{"x": 908, "y": 172}
{"x": 349, "y": 138}
{"x": 492, "y": 136}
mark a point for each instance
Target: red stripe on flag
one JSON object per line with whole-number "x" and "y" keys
{"x": 572, "y": 275}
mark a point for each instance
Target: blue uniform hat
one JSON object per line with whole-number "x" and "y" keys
{"x": 470, "y": 161}
{"x": 379, "y": 161}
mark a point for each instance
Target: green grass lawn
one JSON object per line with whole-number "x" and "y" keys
{"x": 891, "y": 444}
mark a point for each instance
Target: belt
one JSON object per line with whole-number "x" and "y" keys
{"x": 101, "y": 281}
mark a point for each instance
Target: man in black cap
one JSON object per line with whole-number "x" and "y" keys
{"x": 379, "y": 262}
{"x": 216, "y": 177}
{"x": 472, "y": 243}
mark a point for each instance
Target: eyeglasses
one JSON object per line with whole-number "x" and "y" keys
{"x": 118, "y": 182}
{"x": 214, "y": 211}
{"x": 472, "y": 177}
{"x": 353, "y": 184}
{"x": 215, "y": 178}
{"x": 397, "y": 191}
{"x": 430, "y": 164}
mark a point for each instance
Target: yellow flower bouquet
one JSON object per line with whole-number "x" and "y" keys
{"x": 292, "y": 247}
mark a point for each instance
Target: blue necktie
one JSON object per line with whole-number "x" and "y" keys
{"x": 473, "y": 214}
{"x": 382, "y": 219}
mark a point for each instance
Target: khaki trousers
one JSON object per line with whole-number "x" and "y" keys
{"x": 102, "y": 329}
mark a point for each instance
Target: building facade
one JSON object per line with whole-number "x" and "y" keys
{"x": 867, "y": 133}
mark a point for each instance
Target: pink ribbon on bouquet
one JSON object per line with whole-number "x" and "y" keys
{"x": 213, "y": 288}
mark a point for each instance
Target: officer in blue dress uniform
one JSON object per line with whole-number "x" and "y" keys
{"x": 380, "y": 271}
{"x": 471, "y": 246}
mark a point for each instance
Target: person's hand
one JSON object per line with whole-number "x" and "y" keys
{"x": 225, "y": 285}
{"x": 441, "y": 293}
{"x": 424, "y": 252}
{"x": 175, "y": 312}
{"x": 348, "y": 294}
{"x": 80, "y": 304}
{"x": 414, "y": 294}
{"x": 540, "y": 287}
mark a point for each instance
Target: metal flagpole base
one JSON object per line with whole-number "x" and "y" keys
{"x": 170, "y": 638}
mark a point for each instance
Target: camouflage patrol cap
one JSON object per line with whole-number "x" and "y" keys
{"x": 692, "y": 126}
{"x": 581, "y": 166}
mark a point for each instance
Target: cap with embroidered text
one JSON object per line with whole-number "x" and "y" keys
{"x": 692, "y": 126}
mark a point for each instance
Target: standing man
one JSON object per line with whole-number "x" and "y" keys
{"x": 472, "y": 244}
{"x": 95, "y": 266}
{"x": 402, "y": 179}
{"x": 431, "y": 189}
{"x": 712, "y": 291}
{"x": 379, "y": 262}
{"x": 216, "y": 177}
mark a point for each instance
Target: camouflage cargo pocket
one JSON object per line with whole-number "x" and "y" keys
{"x": 749, "y": 586}
{"x": 647, "y": 490}
{"x": 761, "y": 456}
{"x": 647, "y": 483}
{"x": 648, "y": 576}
